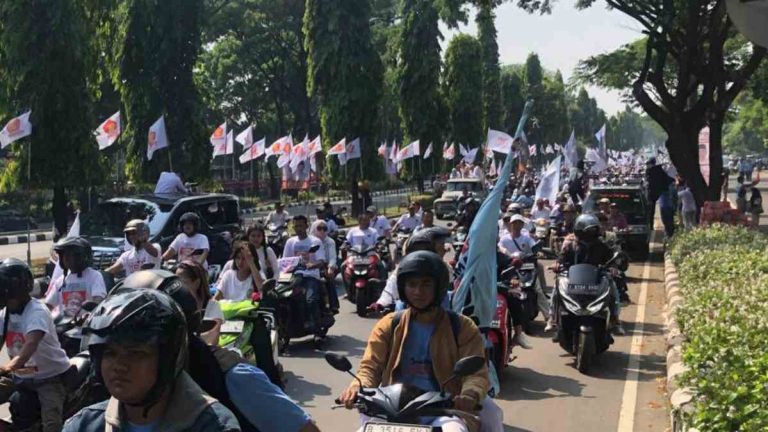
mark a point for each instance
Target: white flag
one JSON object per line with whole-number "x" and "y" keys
{"x": 463, "y": 150}
{"x": 499, "y": 142}
{"x": 157, "y": 137}
{"x": 286, "y": 153}
{"x": 353, "y": 149}
{"x": 532, "y": 149}
{"x": 571, "y": 154}
{"x": 549, "y": 185}
{"x": 245, "y": 138}
{"x": 470, "y": 156}
{"x": 315, "y": 146}
{"x": 600, "y": 136}
{"x": 339, "y": 149}
{"x": 599, "y": 164}
{"x": 428, "y": 152}
{"x": 394, "y": 153}
{"x": 253, "y": 152}
{"x": 227, "y": 147}
{"x": 300, "y": 153}
{"x": 19, "y": 127}
{"x": 449, "y": 152}
{"x": 278, "y": 147}
{"x": 108, "y": 132}
{"x": 219, "y": 136}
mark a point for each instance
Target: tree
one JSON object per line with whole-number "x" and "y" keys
{"x": 748, "y": 132}
{"x": 513, "y": 97}
{"x": 463, "y": 83}
{"x": 693, "y": 67}
{"x": 344, "y": 72}
{"x": 552, "y": 112}
{"x": 46, "y": 61}
{"x": 156, "y": 50}
{"x": 586, "y": 117}
{"x": 486, "y": 34}
{"x": 626, "y": 131}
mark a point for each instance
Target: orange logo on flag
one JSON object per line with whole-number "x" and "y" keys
{"x": 287, "y": 148}
{"x": 13, "y": 126}
{"x": 110, "y": 127}
{"x": 152, "y": 139}
{"x": 218, "y": 133}
{"x": 276, "y": 147}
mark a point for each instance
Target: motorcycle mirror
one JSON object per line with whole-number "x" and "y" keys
{"x": 269, "y": 285}
{"x": 338, "y": 362}
{"x": 468, "y": 365}
{"x": 89, "y": 306}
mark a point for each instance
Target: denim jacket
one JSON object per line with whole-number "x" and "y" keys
{"x": 189, "y": 410}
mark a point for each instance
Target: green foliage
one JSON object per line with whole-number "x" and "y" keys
{"x": 747, "y": 133}
{"x": 344, "y": 72}
{"x": 422, "y": 108}
{"x": 463, "y": 89}
{"x": 724, "y": 280}
{"x": 46, "y": 59}
{"x": 512, "y": 97}
{"x": 586, "y": 117}
{"x": 426, "y": 201}
{"x": 486, "y": 34}
{"x": 630, "y": 130}
{"x": 157, "y": 46}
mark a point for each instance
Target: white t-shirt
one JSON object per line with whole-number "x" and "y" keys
{"x": 49, "y": 358}
{"x": 366, "y": 237}
{"x": 544, "y": 213}
{"x": 381, "y": 225}
{"x": 295, "y": 247}
{"x": 478, "y": 173}
{"x": 408, "y": 222}
{"x": 213, "y": 311}
{"x": 132, "y": 260}
{"x": 184, "y": 245}
{"x": 524, "y": 241}
{"x": 270, "y": 261}
{"x": 168, "y": 183}
{"x": 686, "y": 197}
{"x": 68, "y": 295}
{"x": 233, "y": 288}
{"x": 278, "y": 218}
{"x": 332, "y": 227}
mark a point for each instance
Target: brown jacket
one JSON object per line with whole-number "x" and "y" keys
{"x": 382, "y": 355}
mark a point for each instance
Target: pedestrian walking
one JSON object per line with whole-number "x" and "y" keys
{"x": 755, "y": 207}
{"x": 687, "y": 205}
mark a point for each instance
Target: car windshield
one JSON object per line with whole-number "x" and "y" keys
{"x": 629, "y": 202}
{"x": 109, "y": 218}
{"x": 460, "y": 186}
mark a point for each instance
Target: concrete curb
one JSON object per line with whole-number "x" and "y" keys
{"x": 679, "y": 398}
{"x": 14, "y": 239}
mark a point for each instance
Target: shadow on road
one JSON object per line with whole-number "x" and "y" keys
{"x": 339, "y": 344}
{"x": 303, "y": 391}
{"x": 528, "y": 384}
{"x": 612, "y": 365}
{"x": 508, "y": 428}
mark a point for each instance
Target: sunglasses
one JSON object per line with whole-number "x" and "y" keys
{"x": 322, "y": 228}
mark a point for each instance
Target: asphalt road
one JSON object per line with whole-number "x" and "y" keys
{"x": 541, "y": 390}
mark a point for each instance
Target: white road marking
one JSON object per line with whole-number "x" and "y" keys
{"x": 629, "y": 397}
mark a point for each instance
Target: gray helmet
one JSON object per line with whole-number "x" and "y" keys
{"x": 80, "y": 248}
{"x": 587, "y": 228}
{"x": 423, "y": 264}
{"x": 137, "y": 225}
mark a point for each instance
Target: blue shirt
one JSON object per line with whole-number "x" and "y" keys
{"x": 130, "y": 427}
{"x": 264, "y": 405}
{"x": 416, "y": 361}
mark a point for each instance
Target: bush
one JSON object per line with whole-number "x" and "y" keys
{"x": 723, "y": 274}
{"x": 426, "y": 201}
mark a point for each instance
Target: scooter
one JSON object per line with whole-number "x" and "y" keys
{"x": 69, "y": 329}
{"x": 361, "y": 277}
{"x": 499, "y": 350}
{"x": 398, "y": 408}
{"x": 401, "y": 238}
{"x": 251, "y": 330}
{"x": 584, "y": 292}
{"x": 277, "y": 235}
{"x": 288, "y": 300}
{"x": 542, "y": 230}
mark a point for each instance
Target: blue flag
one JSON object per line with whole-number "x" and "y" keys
{"x": 479, "y": 274}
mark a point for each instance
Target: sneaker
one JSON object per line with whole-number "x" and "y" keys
{"x": 618, "y": 330}
{"x": 522, "y": 341}
{"x": 551, "y": 326}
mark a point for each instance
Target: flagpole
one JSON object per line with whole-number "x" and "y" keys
{"x": 170, "y": 164}
{"x": 29, "y": 206}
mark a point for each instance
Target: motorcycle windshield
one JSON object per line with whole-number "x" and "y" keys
{"x": 583, "y": 274}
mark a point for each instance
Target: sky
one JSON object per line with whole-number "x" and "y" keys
{"x": 560, "y": 39}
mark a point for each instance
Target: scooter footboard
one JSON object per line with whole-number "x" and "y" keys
{"x": 571, "y": 326}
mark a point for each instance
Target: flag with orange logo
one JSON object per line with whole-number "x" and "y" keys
{"x": 108, "y": 132}
{"x": 219, "y": 136}
{"x": 19, "y": 127}
{"x": 227, "y": 148}
{"x": 253, "y": 152}
{"x": 157, "y": 137}
{"x": 276, "y": 148}
{"x": 339, "y": 148}
{"x": 315, "y": 146}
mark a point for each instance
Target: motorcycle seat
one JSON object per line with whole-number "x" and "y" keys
{"x": 79, "y": 369}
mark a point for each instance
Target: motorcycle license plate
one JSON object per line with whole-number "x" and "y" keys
{"x": 232, "y": 327}
{"x": 528, "y": 266}
{"x": 391, "y": 427}
{"x": 583, "y": 289}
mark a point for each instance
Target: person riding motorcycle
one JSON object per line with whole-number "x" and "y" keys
{"x": 378, "y": 222}
{"x": 279, "y": 216}
{"x": 588, "y": 249}
{"x": 465, "y": 218}
{"x": 79, "y": 283}
{"x": 427, "y": 220}
{"x": 37, "y": 361}
{"x": 420, "y": 350}
{"x": 320, "y": 230}
{"x": 408, "y": 221}
{"x": 137, "y": 339}
{"x": 542, "y": 210}
{"x": 616, "y": 219}
{"x": 565, "y": 227}
{"x": 142, "y": 254}
{"x": 190, "y": 240}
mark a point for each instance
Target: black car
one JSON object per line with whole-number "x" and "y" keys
{"x": 103, "y": 226}
{"x": 12, "y": 220}
{"x": 632, "y": 202}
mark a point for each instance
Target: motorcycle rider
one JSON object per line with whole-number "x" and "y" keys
{"x": 427, "y": 221}
{"x": 195, "y": 279}
{"x": 141, "y": 254}
{"x": 362, "y": 235}
{"x": 565, "y": 227}
{"x": 138, "y": 343}
{"x": 298, "y": 246}
{"x": 616, "y": 219}
{"x": 408, "y": 221}
{"x": 279, "y": 216}
{"x": 244, "y": 278}
{"x": 37, "y": 361}
{"x": 190, "y": 240}
{"x": 513, "y": 241}
{"x": 588, "y": 249}
{"x": 79, "y": 283}
{"x": 379, "y": 222}
{"x": 421, "y": 350}
{"x": 467, "y": 216}
{"x": 329, "y": 222}
{"x": 542, "y": 210}
{"x": 319, "y": 229}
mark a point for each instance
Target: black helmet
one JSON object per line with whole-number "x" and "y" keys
{"x": 587, "y": 228}
{"x": 423, "y": 264}
{"x": 81, "y": 250}
{"x": 15, "y": 279}
{"x": 426, "y": 239}
{"x": 189, "y": 217}
{"x": 169, "y": 283}
{"x": 144, "y": 316}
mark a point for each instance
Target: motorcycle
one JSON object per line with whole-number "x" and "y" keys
{"x": 616, "y": 241}
{"x": 401, "y": 238}
{"x": 542, "y": 230}
{"x": 277, "y": 235}
{"x": 361, "y": 276}
{"x": 251, "y": 330}
{"x": 81, "y": 387}
{"x": 523, "y": 273}
{"x": 399, "y": 407}
{"x": 499, "y": 334}
{"x": 69, "y": 329}
{"x": 583, "y": 308}
{"x": 458, "y": 240}
{"x": 288, "y": 299}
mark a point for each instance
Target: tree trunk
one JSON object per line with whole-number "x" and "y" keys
{"x": 683, "y": 148}
{"x": 59, "y": 209}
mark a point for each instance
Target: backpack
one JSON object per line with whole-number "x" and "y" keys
{"x": 452, "y": 316}
{"x": 756, "y": 201}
